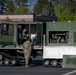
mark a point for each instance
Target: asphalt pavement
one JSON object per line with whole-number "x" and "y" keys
{"x": 36, "y": 69}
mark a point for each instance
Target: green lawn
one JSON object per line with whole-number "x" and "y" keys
{"x": 73, "y": 73}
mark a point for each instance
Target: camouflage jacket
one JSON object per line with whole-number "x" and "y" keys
{"x": 27, "y": 45}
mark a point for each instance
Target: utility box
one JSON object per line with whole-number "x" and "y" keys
{"x": 69, "y": 61}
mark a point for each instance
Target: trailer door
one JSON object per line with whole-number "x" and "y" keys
{"x": 6, "y": 34}
{"x": 39, "y": 33}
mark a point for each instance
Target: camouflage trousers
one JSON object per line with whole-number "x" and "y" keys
{"x": 27, "y": 56}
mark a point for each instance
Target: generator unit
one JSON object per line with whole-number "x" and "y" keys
{"x": 59, "y": 40}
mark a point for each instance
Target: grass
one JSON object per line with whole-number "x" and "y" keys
{"x": 73, "y": 73}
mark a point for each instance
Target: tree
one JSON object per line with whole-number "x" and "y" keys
{"x": 20, "y": 6}
{"x": 66, "y": 15}
{"x": 2, "y": 6}
{"x": 66, "y": 10}
{"x": 16, "y": 6}
{"x": 51, "y": 9}
{"x": 22, "y": 10}
{"x": 10, "y": 8}
{"x": 58, "y": 10}
{"x": 19, "y": 2}
{"x": 44, "y": 7}
{"x": 40, "y": 5}
{"x": 13, "y": 6}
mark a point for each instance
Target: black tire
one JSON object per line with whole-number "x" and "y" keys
{"x": 46, "y": 63}
{"x": 6, "y": 62}
{"x": 13, "y": 62}
{"x": 54, "y": 62}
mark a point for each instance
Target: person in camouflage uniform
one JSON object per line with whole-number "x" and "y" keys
{"x": 27, "y": 51}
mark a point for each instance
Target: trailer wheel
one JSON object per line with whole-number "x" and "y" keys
{"x": 54, "y": 62}
{"x": 13, "y": 62}
{"x": 1, "y": 57}
{"x": 6, "y": 61}
{"x": 46, "y": 63}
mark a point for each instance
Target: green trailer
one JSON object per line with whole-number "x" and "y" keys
{"x": 53, "y": 40}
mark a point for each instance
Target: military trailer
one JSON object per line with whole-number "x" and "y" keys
{"x": 53, "y": 40}
{"x": 59, "y": 40}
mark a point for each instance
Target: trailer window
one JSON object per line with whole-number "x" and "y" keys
{"x": 7, "y": 29}
{"x": 58, "y": 36}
